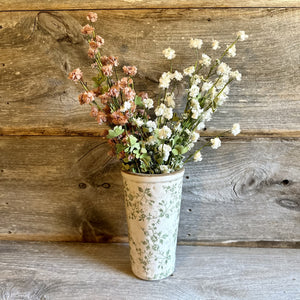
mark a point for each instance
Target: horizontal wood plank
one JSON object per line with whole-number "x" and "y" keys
{"x": 67, "y": 189}
{"x": 17, "y": 5}
{"x": 102, "y": 271}
{"x": 39, "y": 49}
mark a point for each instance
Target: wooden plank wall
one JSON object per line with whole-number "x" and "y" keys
{"x": 56, "y": 181}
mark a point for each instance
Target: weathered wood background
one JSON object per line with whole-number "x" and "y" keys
{"x": 56, "y": 182}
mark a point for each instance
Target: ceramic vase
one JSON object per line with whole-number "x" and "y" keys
{"x": 152, "y": 208}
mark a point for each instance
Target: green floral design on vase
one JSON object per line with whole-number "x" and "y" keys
{"x": 152, "y": 216}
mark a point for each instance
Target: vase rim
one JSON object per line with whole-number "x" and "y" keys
{"x": 154, "y": 175}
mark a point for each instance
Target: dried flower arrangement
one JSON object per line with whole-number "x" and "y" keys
{"x": 146, "y": 135}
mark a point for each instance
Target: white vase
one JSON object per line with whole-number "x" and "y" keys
{"x": 152, "y": 207}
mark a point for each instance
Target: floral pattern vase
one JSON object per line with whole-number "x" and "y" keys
{"x": 152, "y": 207}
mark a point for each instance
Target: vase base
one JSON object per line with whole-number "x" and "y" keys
{"x": 152, "y": 278}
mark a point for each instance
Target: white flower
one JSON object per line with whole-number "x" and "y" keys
{"x": 151, "y": 125}
{"x": 206, "y": 60}
{"x": 197, "y": 156}
{"x": 170, "y": 100}
{"x": 195, "y": 137}
{"x": 215, "y": 143}
{"x": 201, "y": 126}
{"x": 168, "y": 114}
{"x": 151, "y": 140}
{"x": 206, "y": 86}
{"x": 235, "y": 129}
{"x": 148, "y": 103}
{"x": 221, "y": 82}
{"x": 177, "y": 75}
{"x": 194, "y": 91}
{"x": 160, "y": 110}
{"x": 164, "y": 133}
{"x": 190, "y": 146}
{"x": 126, "y": 106}
{"x": 165, "y": 169}
{"x": 236, "y": 75}
{"x": 165, "y": 151}
{"x": 207, "y": 115}
{"x": 215, "y": 44}
{"x": 196, "y": 43}
{"x": 164, "y": 80}
{"x": 242, "y": 35}
{"x": 222, "y": 98}
{"x": 187, "y": 131}
{"x": 196, "y": 79}
{"x": 169, "y": 53}
{"x": 178, "y": 127}
{"x": 189, "y": 71}
{"x": 223, "y": 69}
{"x": 231, "y": 51}
{"x": 139, "y": 122}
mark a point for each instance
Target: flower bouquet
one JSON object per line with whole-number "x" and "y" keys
{"x": 150, "y": 137}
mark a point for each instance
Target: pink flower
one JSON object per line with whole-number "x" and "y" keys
{"x": 92, "y": 52}
{"x": 114, "y": 91}
{"x": 104, "y": 98}
{"x": 101, "y": 117}
{"x": 129, "y": 93}
{"x": 92, "y": 17}
{"x": 113, "y": 60}
{"x": 93, "y": 45}
{"x": 123, "y": 82}
{"x": 130, "y": 70}
{"x": 87, "y": 29}
{"x": 99, "y": 40}
{"x": 94, "y": 112}
{"x": 75, "y": 75}
{"x": 118, "y": 118}
{"x": 107, "y": 70}
{"x": 143, "y": 95}
{"x": 94, "y": 65}
{"x": 104, "y": 60}
{"x": 86, "y": 97}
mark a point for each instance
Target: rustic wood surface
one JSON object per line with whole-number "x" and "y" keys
{"x": 67, "y": 189}
{"x": 8, "y": 5}
{"x": 102, "y": 271}
{"x": 38, "y": 49}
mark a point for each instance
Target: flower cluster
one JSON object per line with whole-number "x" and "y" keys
{"x": 148, "y": 135}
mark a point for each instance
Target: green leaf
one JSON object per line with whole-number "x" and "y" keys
{"x": 175, "y": 152}
{"x": 132, "y": 140}
{"x": 112, "y": 133}
{"x": 138, "y": 101}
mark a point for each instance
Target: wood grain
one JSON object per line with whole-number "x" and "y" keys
{"x": 66, "y": 189}
{"x": 18, "y": 5}
{"x": 102, "y": 271}
{"x": 39, "y": 49}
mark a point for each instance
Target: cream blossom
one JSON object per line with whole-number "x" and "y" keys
{"x": 197, "y": 156}
{"x": 235, "y": 129}
{"x": 126, "y": 106}
{"x": 231, "y": 51}
{"x": 152, "y": 140}
{"x": 242, "y": 35}
{"x": 169, "y": 53}
{"x": 169, "y": 100}
{"x": 151, "y": 125}
{"x": 92, "y": 17}
{"x": 195, "y": 136}
{"x": 223, "y": 69}
{"x": 165, "y": 151}
{"x": 138, "y": 122}
{"x": 206, "y": 86}
{"x": 206, "y": 60}
{"x": 164, "y": 133}
{"x": 215, "y": 44}
{"x": 215, "y": 143}
{"x": 148, "y": 102}
{"x": 196, "y": 43}
{"x": 160, "y": 110}
{"x": 189, "y": 71}
{"x": 164, "y": 169}
{"x": 194, "y": 91}
{"x": 168, "y": 113}
{"x": 165, "y": 80}
{"x": 236, "y": 75}
{"x": 177, "y": 75}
